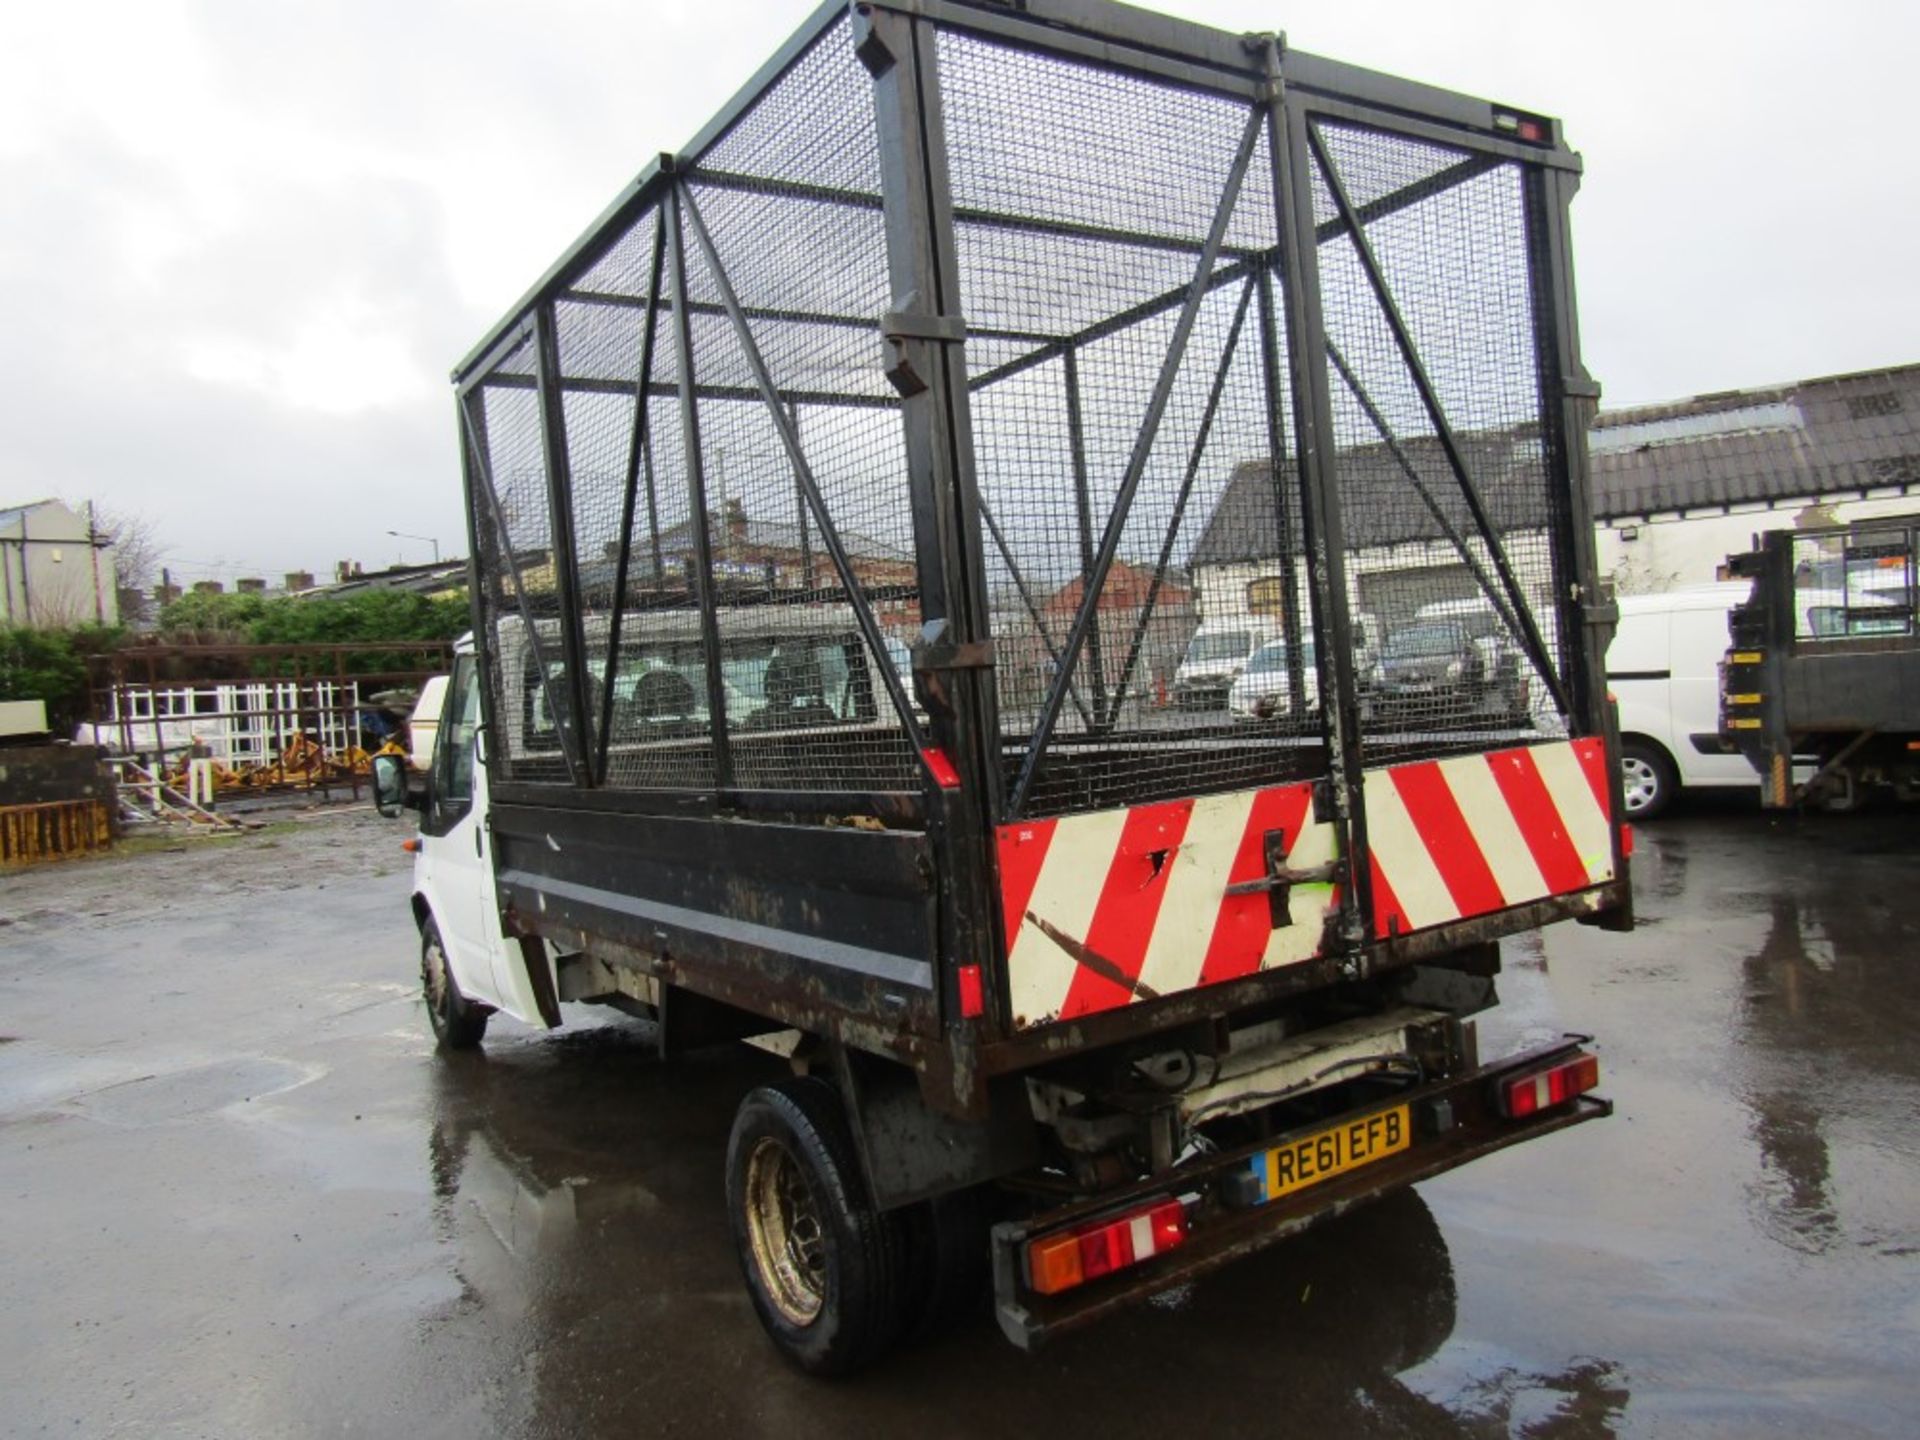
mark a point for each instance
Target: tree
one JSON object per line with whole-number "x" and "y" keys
{"x": 218, "y": 618}
{"x": 51, "y": 665}
{"x": 370, "y": 616}
{"x": 137, "y": 554}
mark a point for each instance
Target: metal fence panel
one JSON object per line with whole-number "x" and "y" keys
{"x": 1451, "y": 513}
{"x": 711, "y": 604}
{"x": 1132, "y": 454}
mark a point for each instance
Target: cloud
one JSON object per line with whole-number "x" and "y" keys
{"x": 243, "y": 243}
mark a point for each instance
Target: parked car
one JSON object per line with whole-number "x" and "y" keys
{"x": 1502, "y": 669}
{"x": 1429, "y": 667}
{"x": 1216, "y": 657}
{"x": 1265, "y": 686}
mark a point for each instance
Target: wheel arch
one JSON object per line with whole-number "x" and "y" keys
{"x": 1665, "y": 767}
{"x": 1640, "y": 737}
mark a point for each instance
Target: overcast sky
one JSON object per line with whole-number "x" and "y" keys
{"x": 242, "y": 242}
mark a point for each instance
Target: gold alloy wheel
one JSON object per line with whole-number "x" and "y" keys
{"x": 783, "y": 1226}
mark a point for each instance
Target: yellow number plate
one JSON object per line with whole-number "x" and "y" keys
{"x": 1333, "y": 1151}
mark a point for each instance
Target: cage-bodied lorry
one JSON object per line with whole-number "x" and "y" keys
{"x": 842, "y": 503}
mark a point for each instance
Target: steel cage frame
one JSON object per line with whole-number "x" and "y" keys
{"x": 1287, "y": 94}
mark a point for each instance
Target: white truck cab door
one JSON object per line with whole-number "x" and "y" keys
{"x": 456, "y": 870}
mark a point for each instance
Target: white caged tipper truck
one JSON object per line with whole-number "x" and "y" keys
{"x": 832, "y": 500}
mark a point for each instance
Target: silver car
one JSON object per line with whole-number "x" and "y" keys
{"x": 1265, "y": 688}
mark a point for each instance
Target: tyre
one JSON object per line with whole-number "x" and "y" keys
{"x": 1648, "y": 782}
{"x": 458, "y": 1023}
{"x": 949, "y": 1270}
{"x": 824, "y": 1268}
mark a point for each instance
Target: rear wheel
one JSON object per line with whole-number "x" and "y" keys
{"x": 1647, "y": 779}
{"x": 823, "y": 1266}
{"x": 458, "y": 1023}
{"x": 950, "y": 1261}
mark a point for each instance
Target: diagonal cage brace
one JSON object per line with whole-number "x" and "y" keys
{"x": 1096, "y": 582}
{"x": 803, "y": 470}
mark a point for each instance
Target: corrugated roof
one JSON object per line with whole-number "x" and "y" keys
{"x": 1378, "y": 504}
{"x": 1834, "y": 435}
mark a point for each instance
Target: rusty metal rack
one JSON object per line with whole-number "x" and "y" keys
{"x": 850, "y": 463}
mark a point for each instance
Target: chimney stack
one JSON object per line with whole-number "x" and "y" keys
{"x": 299, "y": 580}
{"x": 208, "y": 587}
{"x": 250, "y": 585}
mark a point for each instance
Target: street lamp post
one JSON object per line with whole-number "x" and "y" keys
{"x": 424, "y": 539}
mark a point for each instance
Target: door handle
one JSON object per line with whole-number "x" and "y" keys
{"x": 476, "y": 844}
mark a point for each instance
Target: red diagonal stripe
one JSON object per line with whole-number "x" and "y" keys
{"x": 1023, "y": 851}
{"x": 1448, "y": 838}
{"x": 1129, "y": 901}
{"x": 1240, "y": 933}
{"x": 1539, "y": 821}
{"x": 1388, "y": 918}
{"x": 1592, "y": 754}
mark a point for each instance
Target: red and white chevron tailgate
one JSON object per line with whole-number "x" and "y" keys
{"x": 1115, "y": 906}
{"x": 1479, "y": 833}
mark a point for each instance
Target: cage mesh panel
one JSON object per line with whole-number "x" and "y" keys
{"x": 1082, "y": 198}
{"x": 1036, "y": 143}
{"x": 516, "y": 536}
{"x": 807, "y": 707}
{"x": 1033, "y": 137}
{"x": 815, "y": 127}
{"x": 661, "y": 732}
{"x": 1449, "y": 674}
{"x": 793, "y": 205}
{"x": 1855, "y": 583}
{"x": 798, "y": 176}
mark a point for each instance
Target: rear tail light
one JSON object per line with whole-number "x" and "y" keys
{"x": 1543, "y": 1089}
{"x": 1073, "y": 1257}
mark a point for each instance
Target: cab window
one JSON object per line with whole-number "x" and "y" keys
{"x": 453, "y": 755}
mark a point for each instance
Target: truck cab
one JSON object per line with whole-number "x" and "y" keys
{"x": 467, "y": 968}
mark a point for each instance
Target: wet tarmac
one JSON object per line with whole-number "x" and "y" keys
{"x": 243, "y": 1197}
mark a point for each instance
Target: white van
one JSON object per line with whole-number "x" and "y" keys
{"x": 1215, "y": 657}
{"x": 1664, "y": 670}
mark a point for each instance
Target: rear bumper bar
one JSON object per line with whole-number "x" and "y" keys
{"x": 1455, "y": 1121}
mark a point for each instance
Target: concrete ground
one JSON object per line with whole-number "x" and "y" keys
{"x": 243, "y": 1197}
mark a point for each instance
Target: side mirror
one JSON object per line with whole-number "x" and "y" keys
{"x": 389, "y": 784}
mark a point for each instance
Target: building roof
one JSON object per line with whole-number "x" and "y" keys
{"x": 1841, "y": 434}
{"x": 1377, "y": 503}
{"x": 1127, "y": 588}
{"x": 1836, "y": 435}
{"x": 756, "y": 532}
{"x": 428, "y": 579}
{"x": 13, "y": 514}
{"x": 752, "y": 535}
